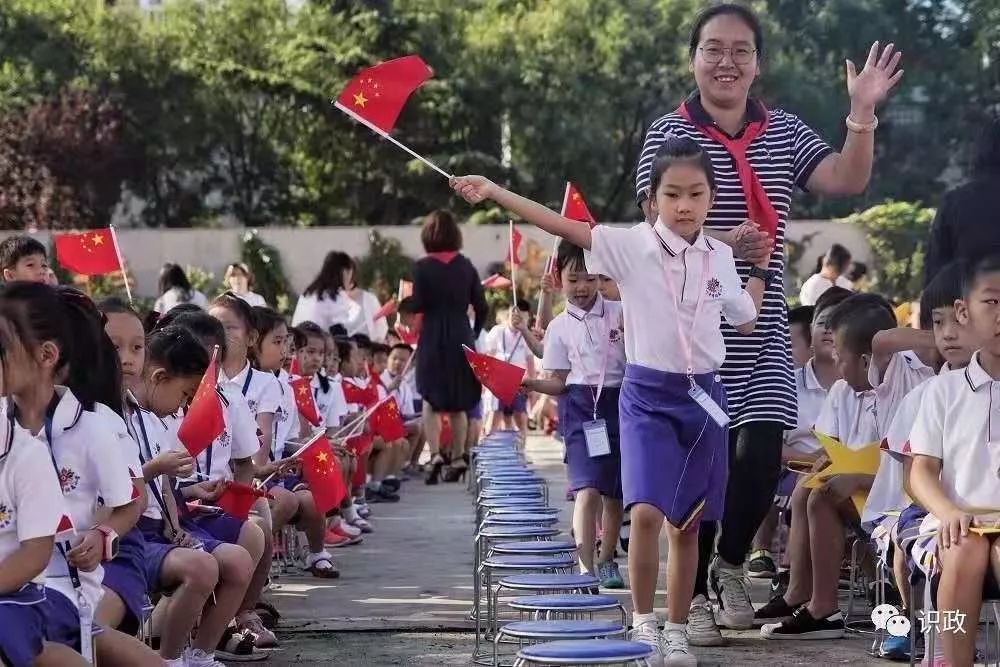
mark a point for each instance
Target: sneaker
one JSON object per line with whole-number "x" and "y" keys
{"x": 347, "y": 529}
{"x": 336, "y": 540}
{"x": 730, "y": 586}
{"x": 649, "y": 634}
{"x": 195, "y": 657}
{"x": 761, "y": 565}
{"x": 361, "y": 507}
{"x": 381, "y": 495}
{"x": 779, "y": 583}
{"x": 391, "y": 483}
{"x": 675, "y": 648}
{"x": 802, "y": 625}
{"x": 775, "y": 611}
{"x": 362, "y": 525}
{"x": 895, "y": 648}
{"x": 610, "y": 575}
{"x": 701, "y": 628}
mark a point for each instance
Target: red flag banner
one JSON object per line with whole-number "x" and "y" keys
{"x": 304, "y": 401}
{"x": 514, "y": 251}
{"x": 204, "y": 420}
{"x": 387, "y": 422}
{"x": 321, "y": 471}
{"x": 295, "y": 368}
{"x": 574, "y": 207}
{"x": 65, "y": 531}
{"x": 500, "y": 377}
{"x": 237, "y": 499}
{"x": 496, "y": 281}
{"x": 378, "y": 94}
{"x": 90, "y": 253}
{"x": 388, "y": 308}
{"x": 408, "y": 335}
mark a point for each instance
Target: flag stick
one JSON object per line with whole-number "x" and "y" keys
{"x": 386, "y": 135}
{"x": 550, "y": 266}
{"x": 513, "y": 263}
{"x": 121, "y": 263}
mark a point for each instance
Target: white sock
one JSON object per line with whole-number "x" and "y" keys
{"x": 667, "y": 625}
{"x": 639, "y": 619}
{"x": 350, "y": 513}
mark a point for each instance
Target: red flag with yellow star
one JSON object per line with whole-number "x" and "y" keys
{"x": 321, "y": 471}
{"x": 304, "y": 400}
{"x": 574, "y": 207}
{"x": 514, "y": 249}
{"x": 90, "y": 253}
{"x": 237, "y": 499}
{"x": 386, "y": 421}
{"x": 203, "y": 421}
{"x": 377, "y": 95}
{"x": 500, "y": 377}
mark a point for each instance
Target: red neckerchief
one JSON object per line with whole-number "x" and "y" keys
{"x": 759, "y": 206}
{"x": 444, "y": 257}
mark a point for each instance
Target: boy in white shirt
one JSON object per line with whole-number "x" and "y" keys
{"x": 505, "y": 342}
{"x": 396, "y": 381}
{"x": 955, "y": 443}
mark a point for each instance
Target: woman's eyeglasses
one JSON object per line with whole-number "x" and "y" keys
{"x": 741, "y": 55}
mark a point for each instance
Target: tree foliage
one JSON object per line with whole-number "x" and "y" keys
{"x": 897, "y": 235}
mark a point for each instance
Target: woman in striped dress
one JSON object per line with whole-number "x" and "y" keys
{"x": 759, "y": 155}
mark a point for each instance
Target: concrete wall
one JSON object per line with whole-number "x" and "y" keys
{"x": 302, "y": 250}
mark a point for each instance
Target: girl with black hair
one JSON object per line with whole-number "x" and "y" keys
{"x": 334, "y": 298}
{"x": 175, "y": 289}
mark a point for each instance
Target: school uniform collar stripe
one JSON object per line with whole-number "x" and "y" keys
{"x": 809, "y": 376}
{"x": 975, "y": 375}
{"x": 577, "y": 313}
{"x": 68, "y": 411}
{"x": 675, "y": 245}
{"x": 239, "y": 377}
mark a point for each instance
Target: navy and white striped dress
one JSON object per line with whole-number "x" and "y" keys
{"x": 758, "y": 369}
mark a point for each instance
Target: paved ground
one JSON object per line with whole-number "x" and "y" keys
{"x": 404, "y": 595}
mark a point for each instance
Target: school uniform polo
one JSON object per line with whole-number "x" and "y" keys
{"x": 904, "y": 372}
{"x": 286, "y": 416}
{"x": 508, "y": 344}
{"x": 331, "y": 404}
{"x": 810, "y": 395}
{"x": 403, "y": 395}
{"x": 849, "y": 416}
{"x": 958, "y": 424}
{"x": 238, "y": 439}
{"x": 259, "y": 388}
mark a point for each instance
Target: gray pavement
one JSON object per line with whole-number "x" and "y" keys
{"x": 405, "y": 593}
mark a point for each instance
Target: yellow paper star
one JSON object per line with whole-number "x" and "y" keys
{"x": 846, "y": 461}
{"x": 96, "y": 239}
{"x": 360, "y": 100}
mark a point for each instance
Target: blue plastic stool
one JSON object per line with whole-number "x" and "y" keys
{"x": 540, "y": 547}
{"x": 510, "y": 492}
{"x": 538, "y": 583}
{"x": 585, "y": 652}
{"x": 540, "y": 631}
{"x": 487, "y": 536}
{"x": 566, "y": 605}
{"x": 510, "y": 506}
{"x": 520, "y": 519}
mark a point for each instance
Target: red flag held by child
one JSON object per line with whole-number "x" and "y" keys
{"x": 514, "y": 251}
{"x": 496, "y": 281}
{"x": 321, "y": 471}
{"x": 574, "y": 207}
{"x": 304, "y": 401}
{"x": 408, "y": 335}
{"x": 378, "y": 94}
{"x": 500, "y": 377}
{"x": 386, "y": 421}
{"x": 90, "y": 253}
{"x": 65, "y": 531}
{"x": 388, "y": 308}
{"x": 295, "y": 368}
{"x": 237, "y": 499}
{"x": 204, "y": 420}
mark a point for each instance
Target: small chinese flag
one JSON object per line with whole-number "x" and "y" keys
{"x": 237, "y": 499}
{"x": 500, "y": 377}
{"x": 366, "y": 396}
{"x": 514, "y": 252}
{"x": 304, "y": 401}
{"x": 377, "y": 95}
{"x": 204, "y": 420}
{"x": 496, "y": 281}
{"x": 90, "y": 253}
{"x": 66, "y": 530}
{"x": 405, "y": 290}
{"x": 446, "y": 434}
{"x": 321, "y": 471}
{"x": 386, "y": 421}
{"x": 574, "y": 207}
{"x": 409, "y": 335}
{"x": 388, "y": 308}
{"x": 295, "y": 368}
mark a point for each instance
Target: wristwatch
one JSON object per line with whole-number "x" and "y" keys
{"x": 766, "y": 276}
{"x": 110, "y": 550}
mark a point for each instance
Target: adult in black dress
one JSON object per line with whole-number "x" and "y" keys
{"x": 445, "y": 284}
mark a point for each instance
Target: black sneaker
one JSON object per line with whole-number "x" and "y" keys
{"x": 391, "y": 483}
{"x": 803, "y": 626}
{"x": 779, "y": 583}
{"x": 761, "y": 565}
{"x": 775, "y": 611}
{"x": 380, "y": 495}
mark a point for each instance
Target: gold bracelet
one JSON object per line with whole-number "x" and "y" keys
{"x": 861, "y": 128}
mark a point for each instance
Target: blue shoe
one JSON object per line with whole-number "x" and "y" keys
{"x": 895, "y": 648}
{"x": 610, "y": 575}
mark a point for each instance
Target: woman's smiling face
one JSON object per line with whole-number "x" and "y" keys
{"x": 725, "y": 83}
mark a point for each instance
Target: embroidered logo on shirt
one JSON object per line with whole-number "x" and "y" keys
{"x": 68, "y": 479}
{"x": 714, "y": 288}
{"x": 6, "y": 516}
{"x": 223, "y": 439}
{"x": 253, "y": 405}
{"x": 615, "y": 335}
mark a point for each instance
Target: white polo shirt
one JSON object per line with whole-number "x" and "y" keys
{"x": 902, "y": 375}
{"x": 286, "y": 416}
{"x": 848, "y": 416}
{"x": 815, "y": 285}
{"x": 237, "y": 441}
{"x": 958, "y": 423}
{"x": 31, "y": 502}
{"x": 152, "y": 436}
{"x": 505, "y": 343}
{"x": 578, "y": 341}
{"x": 810, "y": 396}
{"x": 92, "y": 474}
{"x": 260, "y": 389}
{"x": 403, "y": 394}
{"x": 127, "y": 448}
{"x": 331, "y": 404}
{"x": 638, "y": 259}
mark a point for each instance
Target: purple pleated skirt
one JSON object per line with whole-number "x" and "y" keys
{"x": 674, "y": 456}
{"x": 22, "y": 625}
{"x": 603, "y": 473}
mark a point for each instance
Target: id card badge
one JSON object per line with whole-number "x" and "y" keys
{"x": 700, "y": 397}
{"x": 596, "y": 435}
{"x": 86, "y": 630}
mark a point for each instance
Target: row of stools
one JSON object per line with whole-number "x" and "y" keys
{"x": 531, "y": 606}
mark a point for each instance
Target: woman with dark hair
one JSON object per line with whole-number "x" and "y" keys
{"x": 759, "y": 155}
{"x": 175, "y": 288}
{"x": 334, "y": 298}
{"x": 445, "y": 284}
{"x": 964, "y": 228}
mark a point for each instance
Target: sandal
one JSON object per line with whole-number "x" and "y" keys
{"x": 237, "y": 647}
{"x": 254, "y": 628}
{"x": 317, "y": 568}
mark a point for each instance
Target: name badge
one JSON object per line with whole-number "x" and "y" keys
{"x": 596, "y": 435}
{"x": 712, "y": 408}
{"x": 86, "y": 629}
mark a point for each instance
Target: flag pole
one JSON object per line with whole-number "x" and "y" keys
{"x": 386, "y": 135}
{"x": 121, "y": 264}
{"x": 550, "y": 267}
{"x": 513, "y": 263}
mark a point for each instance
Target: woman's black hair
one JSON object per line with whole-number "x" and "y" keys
{"x": 265, "y": 320}
{"x": 987, "y": 159}
{"x": 745, "y": 14}
{"x": 169, "y": 317}
{"x": 330, "y": 279}
{"x": 205, "y": 328}
{"x": 172, "y": 275}
{"x": 569, "y": 255}
{"x": 838, "y": 257}
{"x": 238, "y": 307}
{"x": 944, "y": 289}
{"x": 176, "y": 349}
{"x": 676, "y": 150}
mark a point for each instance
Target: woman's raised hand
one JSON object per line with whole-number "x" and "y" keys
{"x": 473, "y": 189}
{"x": 872, "y": 85}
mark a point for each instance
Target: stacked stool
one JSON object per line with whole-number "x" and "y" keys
{"x": 549, "y": 607}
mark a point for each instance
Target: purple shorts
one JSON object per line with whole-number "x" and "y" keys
{"x": 22, "y": 625}
{"x": 674, "y": 456}
{"x": 157, "y": 547}
{"x": 518, "y": 405}
{"x": 62, "y": 620}
{"x": 219, "y": 525}
{"x": 604, "y": 473}
{"x": 907, "y": 528}
{"x": 126, "y": 576}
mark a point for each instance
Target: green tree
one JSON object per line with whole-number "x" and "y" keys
{"x": 897, "y": 235}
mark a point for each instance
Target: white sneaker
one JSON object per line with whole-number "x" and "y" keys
{"x": 730, "y": 585}
{"x": 701, "y": 627}
{"x": 675, "y": 652}
{"x": 649, "y": 634}
{"x": 348, "y": 529}
{"x": 195, "y": 657}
